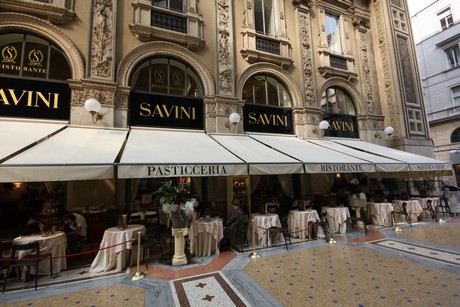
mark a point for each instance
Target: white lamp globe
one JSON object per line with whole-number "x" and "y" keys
{"x": 389, "y": 130}
{"x": 92, "y": 105}
{"x": 234, "y": 118}
{"x": 323, "y": 125}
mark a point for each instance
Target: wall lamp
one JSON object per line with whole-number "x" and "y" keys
{"x": 323, "y": 125}
{"x": 233, "y": 119}
{"x": 93, "y": 107}
{"x": 388, "y": 131}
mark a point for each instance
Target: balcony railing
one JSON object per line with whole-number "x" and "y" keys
{"x": 445, "y": 113}
{"x": 169, "y": 22}
{"x": 267, "y": 45}
{"x": 338, "y": 62}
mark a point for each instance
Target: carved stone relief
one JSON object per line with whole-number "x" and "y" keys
{"x": 366, "y": 74}
{"x": 102, "y": 47}
{"x": 307, "y": 65}
{"x": 223, "y": 48}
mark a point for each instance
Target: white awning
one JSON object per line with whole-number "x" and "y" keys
{"x": 419, "y": 166}
{"x": 316, "y": 159}
{"x": 16, "y": 136}
{"x": 262, "y": 160}
{"x": 382, "y": 164}
{"x": 76, "y": 153}
{"x": 151, "y": 153}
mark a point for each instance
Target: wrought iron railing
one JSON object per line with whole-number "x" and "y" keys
{"x": 169, "y": 21}
{"x": 267, "y": 45}
{"x": 337, "y": 62}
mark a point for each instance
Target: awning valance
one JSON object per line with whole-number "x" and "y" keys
{"x": 17, "y": 136}
{"x": 315, "y": 158}
{"x": 151, "y": 153}
{"x": 75, "y": 153}
{"x": 261, "y": 159}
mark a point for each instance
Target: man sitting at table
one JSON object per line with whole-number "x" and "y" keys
{"x": 234, "y": 226}
{"x": 75, "y": 228}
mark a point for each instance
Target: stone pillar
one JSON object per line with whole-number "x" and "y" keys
{"x": 179, "y": 257}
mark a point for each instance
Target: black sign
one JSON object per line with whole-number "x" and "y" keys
{"x": 34, "y": 99}
{"x": 152, "y": 110}
{"x": 343, "y": 126}
{"x": 261, "y": 118}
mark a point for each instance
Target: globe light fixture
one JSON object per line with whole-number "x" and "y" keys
{"x": 93, "y": 107}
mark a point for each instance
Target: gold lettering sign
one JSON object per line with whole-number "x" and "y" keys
{"x": 34, "y": 99}
{"x": 341, "y": 126}
{"x": 167, "y": 111}
{"x": 9, "y": 55}
{"x": 268, "y": 119}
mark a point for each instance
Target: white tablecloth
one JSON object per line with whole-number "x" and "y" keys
{"x": 205, "y": 236}
{"x": 261, "y": 223}
{"x": 413, "y": 208}
{"x": 298, "y": 221}
{"x": 380, "y": 213}
{"x": 423, "y": 202}
{"x": 54, "y": 243}
{"x": 108, "y": 258}
{"x": 337, "y": 217}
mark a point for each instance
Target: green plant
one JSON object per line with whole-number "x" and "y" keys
{"x": 425, "y": 186}
{"x": 172, "y": 192}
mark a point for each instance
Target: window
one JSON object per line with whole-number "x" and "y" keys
{"x": 455, "y": 136}
{"x": 337, "y": 101}
{"x": 415, "y": 121}
{"x": 445, "y": 18}
{"x": 453, "y": 56}
{"x": 264, "y": 16}
{"x": 456, "y": 95}
{"x": 170, "y": 4}
{"x": 334, "y": 42}
{"x": 25, "y": 55}
{"x": 262, "y": 89}
{"x": 166, "y": 76}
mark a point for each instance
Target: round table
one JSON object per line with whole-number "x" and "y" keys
{"x": 380, "y": 213}
{"x": 114, "y": 245}
{"x": 54, "y": 243}
{"x": 205, "y": 236}
{"x": 298, "y": 222}
{"x": 337, "y": 217}
{"x": 261, "y": 223}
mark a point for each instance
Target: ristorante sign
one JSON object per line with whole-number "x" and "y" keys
{"x": 34, "y": 99}
{"x": 153, "y": 110}
{"x": 260, "y": 118}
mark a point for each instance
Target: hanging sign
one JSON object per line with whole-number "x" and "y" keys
{"x": 152, "y": 110}
{"x": 343, "y": 126}
{"x": 261, "y": 118}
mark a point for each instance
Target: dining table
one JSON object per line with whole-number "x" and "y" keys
{"x": 298, "y": 222}
{"x": 380, "y": 213}
{"x": 414, "y": 208}
{"x": 114, "y": 248}
{"x": 261, "y": 223}
{"x": 54, "y": 243}
{"x": 205, "y": 235}
{"x": 337, "y": 218}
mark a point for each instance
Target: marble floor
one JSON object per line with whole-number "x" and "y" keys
{"x": 417, "y": 266}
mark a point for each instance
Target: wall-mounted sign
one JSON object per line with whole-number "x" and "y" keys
{"x": 344, "y": 126}
{"x": 34, "y": 99}
{"x": 261, "y": 118}
{"x": 152, "y": 110}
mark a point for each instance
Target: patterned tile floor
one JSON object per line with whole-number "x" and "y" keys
{"x": 419, "y": 266}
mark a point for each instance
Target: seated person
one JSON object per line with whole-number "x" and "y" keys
{"x": 32, "y": 227}
{"x": 212, "y": 210}
{"x": 234, "y": 226}
{"x": 75, "y": 228}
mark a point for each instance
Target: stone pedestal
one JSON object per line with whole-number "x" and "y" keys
{"x": 179, "y": 257}
{"x": 357, "y": 210}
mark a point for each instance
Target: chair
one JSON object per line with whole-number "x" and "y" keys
{"x": 324, "y": 223}
{"x": 151, "y": 239}
{"x": 444, "y": 206}
{"x": 134, "y": 219}
{"x": 362, "y": 218}
{"x": 272, "y": 207}
{"x": 429, "y": 209}
{"x": 404, "y": 213}
{"x": 32, "y": 259}
{"x": 240, "y": 239}
{"x": 284, "y": 229}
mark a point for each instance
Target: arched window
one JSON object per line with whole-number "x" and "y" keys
{"x": 166, "y": 76}
{"x": 455, "y": 136}
{"x": 27, "y": 55}
{"x": 262, "y": 89}
{"x": 336, "y": 101}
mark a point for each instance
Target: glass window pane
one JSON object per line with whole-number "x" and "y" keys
{"x": 176, "y": 78}
{"x": 176, "y": 5}
{"x": 193, "y": 85}
{"x": 269, "y": 17}
{"x": 162, "y": 3}
{"x": 11, "y": 47}
{"x": 258, "y": 16}
{"x": 285, "y": 99}
{"x": 455, "y": 137}
{"x": 59, "y": 69}
{"x": 248, "y": 94}
{"x": 272, "y": 91}
{"x": 259, "y": 90}
{"x": 35, "y": 60}
{"x": 333, "y": 33}
{"x": 159, "y": 76}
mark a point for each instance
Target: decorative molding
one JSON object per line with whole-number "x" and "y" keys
{"x": 224, "y": 39}
{"x": 103, "y": 20}
{"x": 306, "y": 55}
{"x": 58, "y": 13}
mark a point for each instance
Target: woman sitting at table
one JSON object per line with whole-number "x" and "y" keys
{"x": 212, "y": 210}
{"x": 75, "y": 228}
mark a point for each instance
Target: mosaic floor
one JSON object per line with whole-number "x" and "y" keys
{"x": 419, "y": 266}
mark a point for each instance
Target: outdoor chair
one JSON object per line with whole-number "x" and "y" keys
{"x": 32, "y": 259}
{"x": 444, "y": 206}
{"x": 429, "y": 209}
{"x": 362, "y": 218}
{"x": 404, "y": 213}
{"x": 284, "y": 230}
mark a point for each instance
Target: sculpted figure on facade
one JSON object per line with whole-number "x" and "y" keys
{"x": 224, "y": 56}
{"x": 101, "y": 51}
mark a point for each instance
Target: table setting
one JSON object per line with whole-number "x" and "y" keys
{"x": 205, "y": 235}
